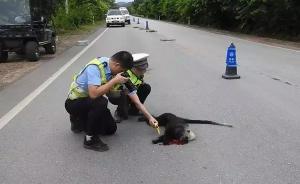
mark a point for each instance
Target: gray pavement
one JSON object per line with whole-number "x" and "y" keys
{"x": 37, "y": 146}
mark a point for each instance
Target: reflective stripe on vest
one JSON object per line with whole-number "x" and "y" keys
{"x": 75, "y": 91}
{"x": 133, "y": 78}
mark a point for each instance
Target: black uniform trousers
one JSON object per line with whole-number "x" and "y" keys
{"x": 92, "y": 115}
{"x": 125, "y": 106}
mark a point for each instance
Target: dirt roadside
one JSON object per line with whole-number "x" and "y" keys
{"x": 17, "y": 66}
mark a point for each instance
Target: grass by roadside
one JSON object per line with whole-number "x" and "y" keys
{"x": 17, "y": 67}
{"x": 82, "y": 29}
{"x": 68, "y": 38}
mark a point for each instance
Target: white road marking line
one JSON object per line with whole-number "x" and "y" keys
{"x": 22, "y": 104}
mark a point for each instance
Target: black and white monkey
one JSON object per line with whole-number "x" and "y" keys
{"x": 177, "y": 129}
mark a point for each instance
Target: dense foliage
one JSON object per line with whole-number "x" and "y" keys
{"x": 65, "y": 14}
{"x": 79, "y": 12}
{"x": 272, "y": 17}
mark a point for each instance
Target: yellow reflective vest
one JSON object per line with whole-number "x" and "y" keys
{"x": 136, "y": 81}
{"x": 75, "y": 91}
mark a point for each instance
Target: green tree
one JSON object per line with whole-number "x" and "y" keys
{"x": 272, "y": 17}
{"x": 80, "y": 12}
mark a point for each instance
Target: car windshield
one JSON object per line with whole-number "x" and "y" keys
{"x": 124, "y": 12}
{"x": 14, "y": 12}
{"x": 114, "y": 12}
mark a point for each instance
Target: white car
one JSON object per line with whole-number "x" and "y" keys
{"x": 126, "y": 14}
{"x": 115, "y": 17}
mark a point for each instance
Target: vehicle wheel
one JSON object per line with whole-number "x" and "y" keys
{"x": 128, "y": 21}
{"x": 123, "y": 25}
{"x": 51, "y": 47}
{"x": 32, "y": 51}
{"x": 20, "y": 53}
{"x": 3, "y": 56}
{"x": 107, "y": 25}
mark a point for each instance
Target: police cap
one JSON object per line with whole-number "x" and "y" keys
{"x": 140, "y": 60}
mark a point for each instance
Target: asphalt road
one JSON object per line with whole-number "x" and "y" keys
{"x": 37, "y": 146}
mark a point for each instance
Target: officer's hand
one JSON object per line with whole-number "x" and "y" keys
{"x": 153, "y": 122}
{"x": 119, "y": 79}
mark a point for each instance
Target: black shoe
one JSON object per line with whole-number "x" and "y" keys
{"x": 118, "y": 118}
{"x": 133, "y": 112}
{"x": 74, "y": 129}
{"x": 142, "y": 118}
{"x": 95, "y": 144}
{"x": 76, "y": 126}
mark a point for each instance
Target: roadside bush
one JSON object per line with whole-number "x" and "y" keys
{"x": 267, "y": 17}
{"x": 80, "y": 12}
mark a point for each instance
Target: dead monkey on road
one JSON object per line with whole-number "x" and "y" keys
{"x": 177, "y": 129}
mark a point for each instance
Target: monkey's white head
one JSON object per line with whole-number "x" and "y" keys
{"x": 189, "y": 135}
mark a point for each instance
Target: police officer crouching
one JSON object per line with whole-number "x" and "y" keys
{"x": 87, "y": 104}
{"x": 135, "y": 84}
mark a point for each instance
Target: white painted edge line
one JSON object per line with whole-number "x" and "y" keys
{"x": 5, "y": 119}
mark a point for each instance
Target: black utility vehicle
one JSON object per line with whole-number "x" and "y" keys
{"x": 24, "y": 28}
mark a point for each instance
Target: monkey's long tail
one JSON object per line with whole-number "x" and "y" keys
{"x": 207, "y": 122}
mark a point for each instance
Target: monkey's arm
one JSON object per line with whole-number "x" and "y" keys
{"x": 158, "y": 140}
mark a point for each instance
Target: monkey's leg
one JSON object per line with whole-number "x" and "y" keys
{"x": 158, "y": 140}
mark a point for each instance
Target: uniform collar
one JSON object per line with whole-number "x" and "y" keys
{"x": 106, "y": 60}
{"x": 108, "y": 68}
